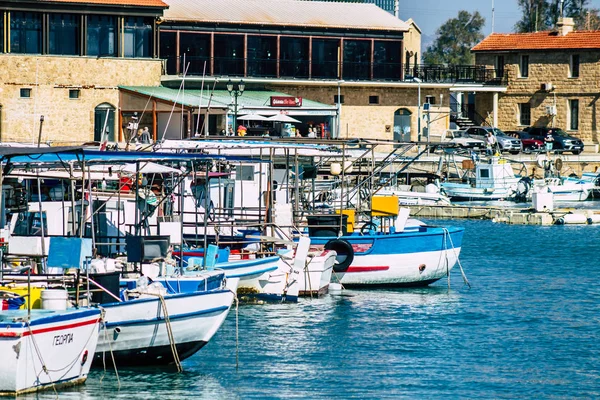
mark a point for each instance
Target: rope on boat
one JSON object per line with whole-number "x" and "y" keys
{"x": 39, "y": 354}
{"x": 112, "y": 355}
{"x": 170, "y": 334}
{"x": 447, "y": 232}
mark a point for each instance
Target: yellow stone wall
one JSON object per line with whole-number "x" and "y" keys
{"x": 412, "y": 42}
{"x": 363, "y": 120}
{"x": 50, "y": 78}
{"x": 548, "y": 67}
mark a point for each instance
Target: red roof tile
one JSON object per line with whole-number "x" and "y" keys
{"x": 546, "y": 40}
{"x": 130, "y": 3}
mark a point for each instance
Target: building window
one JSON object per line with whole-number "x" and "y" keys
{"x": 338, "y": 99}
{"x": 325, "y": 58}
{"x": 25, "y": 93}
{"x": 373, "y": 99}
{"x": 430, "y": 99}
{"x": 25, "y": 32}
{"x": 137, "y": 33}
{"x": 573, "y": 115}
{"x": 574, "y": 66}
{"x": 262, "y": 56}
{"x": 194, "y": 52}
{"x": 524, "y": 114}
{"x": 499, "y": 66}
{"x": 101, "y": 35}
{"x": 64, "y": 34}
{"x": 524, "y": 70}
{"x": 168, "y": 51}
{"x": 357, "y": 59}
{"x": 229, "y": 55}
{"x": 74, "y": 93}
{"x": 294, "y": 57}
{"x": 387, "y": 63}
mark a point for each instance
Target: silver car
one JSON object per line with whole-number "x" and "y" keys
{"x": 505, "y": 142}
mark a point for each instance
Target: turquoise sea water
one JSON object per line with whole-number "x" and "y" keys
{"x": 528, "y": 328}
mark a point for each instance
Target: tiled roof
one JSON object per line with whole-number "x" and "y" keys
{"x": 130, "y": 3}
{"x": 319, "y": 14}
{"x": 546, "y": 40}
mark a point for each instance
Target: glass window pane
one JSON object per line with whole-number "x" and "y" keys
{"x": 194, "y": 48}
{"x": 387, "y": 61}
{"x": 168, "y": 51}
{"x": 229, "y": 55}
{"x": 293, "y": 57}
{"x": 574, "y": 117}
{"x": 262, "y": 53}
{"x": 101, "y": 35}
{"x": 64, "y": 34}
{"x": 25, "y": 32}
{"x": 357, "y": 59}
{"x": 137, "y": 37}
{"x": 325, "y": 58}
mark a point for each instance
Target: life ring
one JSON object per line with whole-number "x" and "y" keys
{"x": 345, "y": 254}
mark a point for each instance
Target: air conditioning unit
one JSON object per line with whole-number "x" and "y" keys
{"x": 547, "y": 87}
{"x": 551, "y": 110}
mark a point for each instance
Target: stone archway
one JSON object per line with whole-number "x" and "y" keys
{"x": 104, "y": 121}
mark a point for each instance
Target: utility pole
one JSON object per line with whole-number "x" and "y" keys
{"x": 493, "y": 16}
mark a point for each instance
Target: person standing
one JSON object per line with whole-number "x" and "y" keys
{"x": 490, "y": 144}
{"x": 549, "y": 141}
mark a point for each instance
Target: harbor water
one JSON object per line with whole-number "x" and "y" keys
{"x": 528, "y": 328}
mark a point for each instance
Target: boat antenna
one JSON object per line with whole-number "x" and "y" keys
{"x": 175, "y": 102}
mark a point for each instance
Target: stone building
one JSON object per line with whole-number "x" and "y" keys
{"x": 89, "y": 66}
{"x": 551, "y": 79}
{"x": 64, "y": 61}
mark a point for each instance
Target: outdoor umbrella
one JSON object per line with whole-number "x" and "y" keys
{"x": 252, "y": 117}
{"x": 282, "y": 118}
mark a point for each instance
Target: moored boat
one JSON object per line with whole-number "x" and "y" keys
{"x": 45, "y": 348}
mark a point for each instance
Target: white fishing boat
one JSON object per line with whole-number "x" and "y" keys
{"x": 154, "y": 327}
{"x": 46, "y": 349}
{"x": 494, "y": 180}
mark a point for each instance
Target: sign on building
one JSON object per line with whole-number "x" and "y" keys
{"x": 286, "y": 101}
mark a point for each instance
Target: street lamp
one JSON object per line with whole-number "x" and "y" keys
{"x": 418, "y": 108}
{"x": 235, "y": 92}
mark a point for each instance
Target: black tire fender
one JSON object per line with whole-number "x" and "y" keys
{"x": 345, "y": 253}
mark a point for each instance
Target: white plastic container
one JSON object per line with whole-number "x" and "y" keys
{"x": 55, "y": 299}
{"x": 543, "y": 201}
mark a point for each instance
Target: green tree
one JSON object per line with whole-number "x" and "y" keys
{"x": 542, "y": 15}
{"x": 455, "y": 38}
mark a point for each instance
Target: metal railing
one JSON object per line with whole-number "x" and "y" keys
{"x": 351, "y": 71}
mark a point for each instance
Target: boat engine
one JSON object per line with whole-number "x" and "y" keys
{"x": 522, "y": 190}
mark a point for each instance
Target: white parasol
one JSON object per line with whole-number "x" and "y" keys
{"x": 282, "y": 118}
{"x": 252, "y": 117}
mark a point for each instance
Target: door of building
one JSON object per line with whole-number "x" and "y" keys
{"x": 402, "y": 125}
{"x": 104, "y": 121}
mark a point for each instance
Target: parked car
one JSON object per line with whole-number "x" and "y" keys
{"x": 505, "y": 142}
{"x": 458, "y": 138}
{"x": 530, "y": 145}
{"x": 562, "y": 140}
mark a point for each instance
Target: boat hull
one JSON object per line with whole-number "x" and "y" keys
{"x": 314, "y": 279}
{"x": 416, "y": 257}
{"x": 136, "y": 332}
{"x": 55, "y": 350}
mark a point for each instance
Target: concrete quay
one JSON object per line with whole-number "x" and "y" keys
{"x": 514, "y": 216}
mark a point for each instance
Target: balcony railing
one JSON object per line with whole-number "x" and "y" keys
{"x": 440, "y": 73}
{"x": 350, "y": 71}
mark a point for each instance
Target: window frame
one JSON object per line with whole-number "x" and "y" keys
{"x": 373, "y": 99}
{"x": 573, "y": 123}
{"x": 74, "y": 91}
{"x": 521, "y": 113}
{"x": 524, "y": 66}
{"x": 574, "y": 72}
{"x": 338, "y": 101}
{"x": 23, "y": 91}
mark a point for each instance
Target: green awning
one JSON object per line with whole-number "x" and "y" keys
{"x": 251, "y": 101}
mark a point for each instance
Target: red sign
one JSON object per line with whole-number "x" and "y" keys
{"x": 286, "y": 101}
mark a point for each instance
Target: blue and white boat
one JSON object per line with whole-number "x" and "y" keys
{"x": 155, "y": 325}
{"x": 418, "y": 255}
{"x": 46, "y": 348}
